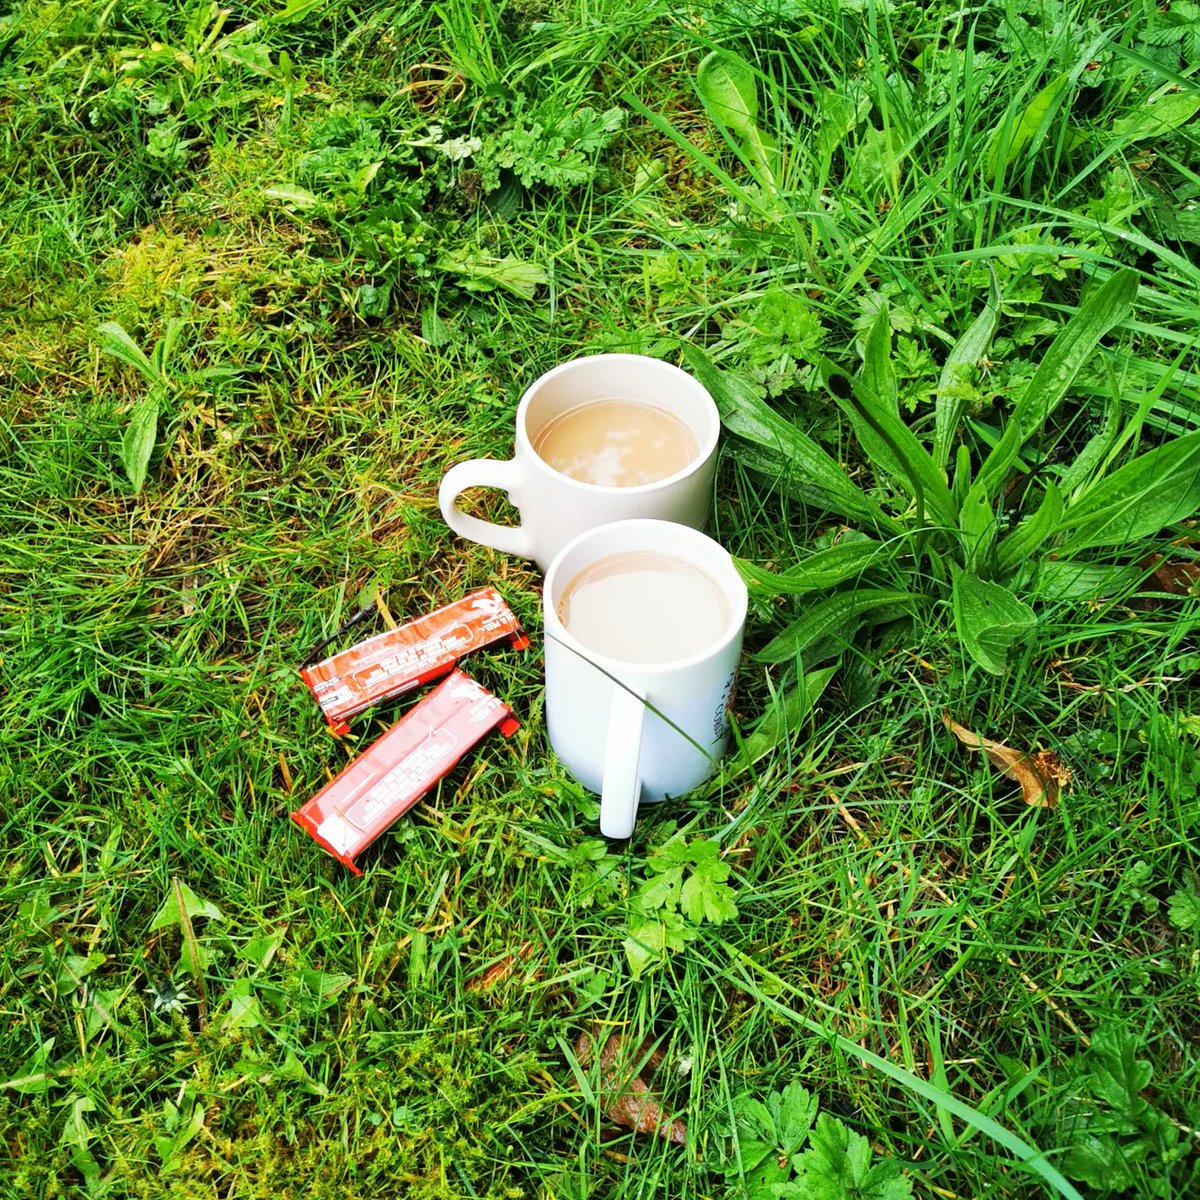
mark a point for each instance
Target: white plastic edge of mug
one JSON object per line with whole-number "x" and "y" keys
{"x": 559, "y": 631}
{"x": 702, "y": 455}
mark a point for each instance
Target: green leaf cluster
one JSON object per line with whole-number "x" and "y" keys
{"x": 1183, "y": 910}
{"x": 398, "y": 195}
{"x": 1117, "y": 1138}
{"x": 686, "y": 885}
{"x": 156, "y": 368}
{"x": 777, "y": 340}
{"x": 550, "y": 146}
{"x": 1174, "y": 35}
{"x": 782, "y": 1148}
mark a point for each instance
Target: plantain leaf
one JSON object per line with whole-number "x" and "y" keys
{"x": 977, "y": 525}
{"x": 878, "y": 379}
{"x": 138, "y": 443}
{"x": 1019, "y": 545}
{"x": 994, "y": 471}
{"x": 878, "y": 373}
{"x": 1104, "y": 308}
{"x": 907, "y": 459}
{"x": 977, "y": 518}
{"x": 1137, "y": 500}
{"x": 115, "y": 341}
{"x": 164, "y": 348}
{"x": 821, "y": 570}
{"x": 1160, "y": 114}
{"x": 482, "y": 272}
{"x": 1067, "y": 580}
{"x": 989, "y": 619}
{"x": 810, "y": 473}
{"x": 726, "y": 84}
{"x": 960, "y": 363}
{"x": 291, "y": 193}
{"x": 962, "y": 475}
{"x": 1010, "y": 138}
{"x": 788, "y": 475}
{"x": 834, "y": 617}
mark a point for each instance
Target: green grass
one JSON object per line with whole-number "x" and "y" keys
{"x": 338, "y": 351}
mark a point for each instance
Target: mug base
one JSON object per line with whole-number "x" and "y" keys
{"x": 594, "y": 785}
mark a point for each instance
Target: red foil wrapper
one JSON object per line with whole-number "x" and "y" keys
{"x": 399, "y": 660}
{"x": 379, "y": 786}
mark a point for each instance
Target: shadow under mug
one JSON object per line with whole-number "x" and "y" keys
{"x": 554, "y": 508}
{"x": 639, "y": 732}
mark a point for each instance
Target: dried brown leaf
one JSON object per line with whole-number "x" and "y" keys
{"x": 1050, "y": 766}
{"x": 1040, "y": 775}
{"x": 501, "y": 970}
{"x": 1174, "y": 576}
{"x": 639, "y": 1109}
{"x": 496, "y": 973}
{"x": 626, "y": 1084}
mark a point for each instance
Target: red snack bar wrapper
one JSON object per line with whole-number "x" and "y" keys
{"x": 349, "y": 813}
{"x": 399, "y": 660}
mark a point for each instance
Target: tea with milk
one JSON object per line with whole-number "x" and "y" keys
{"x": 617, "y": 443}
{"x": 644, "y": 607}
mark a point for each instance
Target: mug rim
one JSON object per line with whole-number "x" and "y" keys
{"x": 610, "y": 665}
{"x": 703, "y": 454}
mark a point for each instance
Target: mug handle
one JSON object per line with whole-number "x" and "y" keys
{"x": 622, "y": 786}
{"x": 484, "y": 472}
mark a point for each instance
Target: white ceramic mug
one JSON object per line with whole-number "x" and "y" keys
{"x": 602, "y": 714}
{"x": 554, "y": 507}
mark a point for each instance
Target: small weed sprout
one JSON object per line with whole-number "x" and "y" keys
{"x": 167, "y": 997}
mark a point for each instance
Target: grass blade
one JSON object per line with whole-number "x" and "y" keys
{"x": 780, "y": 720}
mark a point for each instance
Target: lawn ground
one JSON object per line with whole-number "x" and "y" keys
{"x": 348, "y": 235}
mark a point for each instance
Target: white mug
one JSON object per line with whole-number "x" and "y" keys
{"x": 554, "y": 507}
{"x": 603, "y": 714}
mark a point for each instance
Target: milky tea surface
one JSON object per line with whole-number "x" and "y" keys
{"x": 617, "y": 443}
{"x": 644, "y": 607}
